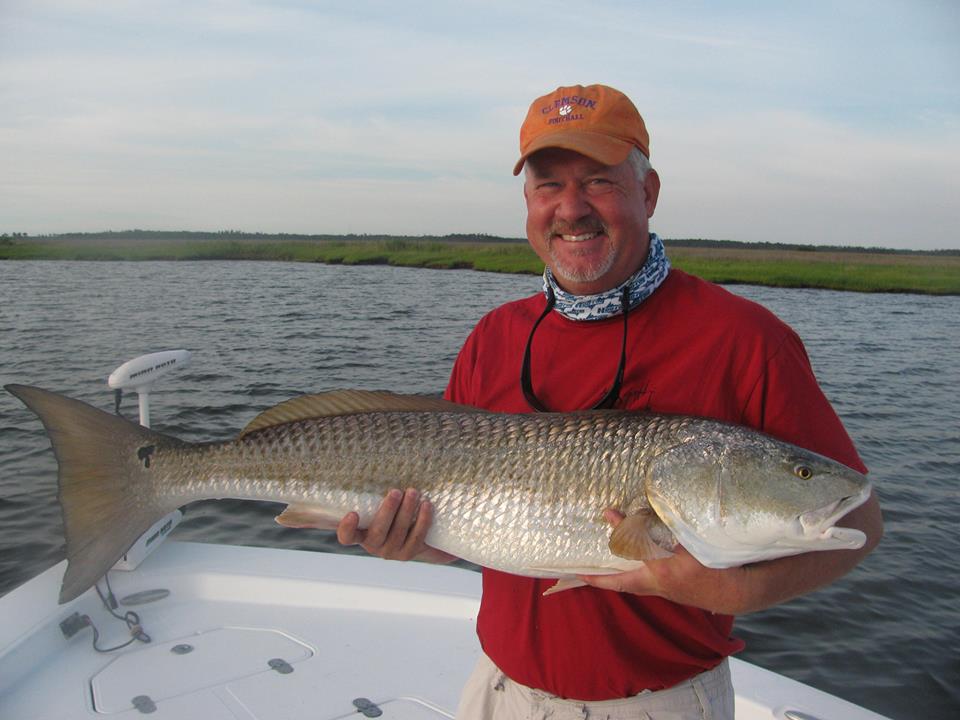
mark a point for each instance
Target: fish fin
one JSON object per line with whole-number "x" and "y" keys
{"x": 633, "y": 537}
{"x": 301, "y": 515}
{"x": 349, "y": 402}
{"x": 104, "y": 482}
{"x": 566, "y": 571}
{"x": 564, "y": 584}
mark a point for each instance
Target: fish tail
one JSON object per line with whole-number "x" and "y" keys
{"x": 104, "y": 482}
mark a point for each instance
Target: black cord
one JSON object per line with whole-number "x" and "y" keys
{"x": 130, "y": 618}
{"x": 612, "y": 395}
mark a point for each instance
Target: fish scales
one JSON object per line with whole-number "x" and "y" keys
{"x": 348, "y": 462}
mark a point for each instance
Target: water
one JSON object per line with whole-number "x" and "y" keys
{"x": 886, "y": 636}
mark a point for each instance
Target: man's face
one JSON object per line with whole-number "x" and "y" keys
{"x": 588, "y": 221}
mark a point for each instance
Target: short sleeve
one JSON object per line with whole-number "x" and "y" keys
{"x": 788, "y": 403}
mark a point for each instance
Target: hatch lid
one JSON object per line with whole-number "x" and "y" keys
{"x": 206, "y": 659}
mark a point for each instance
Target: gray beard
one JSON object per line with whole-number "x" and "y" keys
{"x": 580, "y": 273}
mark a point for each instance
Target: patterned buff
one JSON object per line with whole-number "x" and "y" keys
{"x": 607, "y": 304}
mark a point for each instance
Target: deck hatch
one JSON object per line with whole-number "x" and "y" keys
{"x": 162, "y": 671}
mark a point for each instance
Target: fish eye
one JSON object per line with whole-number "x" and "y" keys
{"x": 803, "y": 472}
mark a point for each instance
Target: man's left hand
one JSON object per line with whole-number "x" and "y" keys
{"x": 679, "y": 578}
{"x": 737, "y": 590}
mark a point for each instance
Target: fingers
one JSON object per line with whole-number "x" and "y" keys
{"x": 415, "y": 544}
{"x": 348, "y": 532}
{"x": 397, "y": 530}
{"x": 604, "y": 582}
{"x": 379, "y": 529}
{"x": 639, "y": 581}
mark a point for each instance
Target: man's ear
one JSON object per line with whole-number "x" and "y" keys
{"x": 651, "y": 187}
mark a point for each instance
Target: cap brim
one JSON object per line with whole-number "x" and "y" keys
{"x": 597, "y": 146}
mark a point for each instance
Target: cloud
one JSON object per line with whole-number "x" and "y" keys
{"x": 791, "y": 177}
{"x": 318, "y": 117}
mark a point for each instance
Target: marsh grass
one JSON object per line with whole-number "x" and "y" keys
{"x": 854, "y": 271}
{"x": 860, "y": 271}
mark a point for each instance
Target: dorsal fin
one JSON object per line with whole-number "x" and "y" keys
{"x": 348, "y": 402}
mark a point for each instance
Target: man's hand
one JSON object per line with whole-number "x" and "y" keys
{"x": 397, "y": 530}
{"x": 680, "y": 578}
{"x": 737, "y": 590}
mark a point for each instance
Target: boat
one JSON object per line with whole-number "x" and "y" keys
{"x": 244, "y": 633}
{"x": 191, "y": 630}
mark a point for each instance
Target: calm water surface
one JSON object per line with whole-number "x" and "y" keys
{"x": 887, "y": 636}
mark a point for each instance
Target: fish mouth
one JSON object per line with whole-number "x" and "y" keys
{"x": 820, "y": 522}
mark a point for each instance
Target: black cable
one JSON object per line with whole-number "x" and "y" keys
{"x": 612, "y": 395}
{"x": 131, "y": 619}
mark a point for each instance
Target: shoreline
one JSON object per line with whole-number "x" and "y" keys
{"x": 852, "y": 270}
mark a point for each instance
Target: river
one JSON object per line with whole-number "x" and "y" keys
{"x": 887, "y": 636}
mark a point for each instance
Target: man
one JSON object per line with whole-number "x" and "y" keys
{"x": 617, "y": 327}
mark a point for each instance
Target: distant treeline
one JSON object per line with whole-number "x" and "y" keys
{"x": 240, "y": 235}
{"x": 736, "y": 244}
{"x": 777, "y": 265}
{"x": 193, "y": 235}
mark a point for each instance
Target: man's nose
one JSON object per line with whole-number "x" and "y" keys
{"x": 572, "y": 204}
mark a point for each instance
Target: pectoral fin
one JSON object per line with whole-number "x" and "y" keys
{"x": 633, "y": 538}
{"x": 307, "y": 516}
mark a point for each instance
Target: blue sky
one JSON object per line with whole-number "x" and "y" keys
{"x": 815, "y": 122}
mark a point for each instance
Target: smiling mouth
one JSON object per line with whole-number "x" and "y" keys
{"x": 581, "y": 237}
{"x": 576, "y": 237}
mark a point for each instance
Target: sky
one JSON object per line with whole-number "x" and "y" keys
{"x": 823, "y": 123}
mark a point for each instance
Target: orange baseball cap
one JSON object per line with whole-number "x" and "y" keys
{"x": 594, "y": 120}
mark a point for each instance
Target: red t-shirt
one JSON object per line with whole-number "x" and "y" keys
{"x": 692, "y": 348}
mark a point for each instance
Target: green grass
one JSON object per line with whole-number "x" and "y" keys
{"x": 860, "y": 271}
{"x": 490, "y": 257}
{"x": 858, "y": 277}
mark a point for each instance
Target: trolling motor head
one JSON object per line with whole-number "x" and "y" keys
{"x": 140, "y": 373}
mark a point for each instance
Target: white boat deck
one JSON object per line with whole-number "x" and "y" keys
{"x": 264, "y": 634}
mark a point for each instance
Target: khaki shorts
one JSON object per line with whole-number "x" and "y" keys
{"x": 489, "y": 695}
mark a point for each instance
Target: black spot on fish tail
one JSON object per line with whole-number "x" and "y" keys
{"x": 144, "y": 453}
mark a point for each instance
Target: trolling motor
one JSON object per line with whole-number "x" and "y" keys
{"x": 138, "y": 375}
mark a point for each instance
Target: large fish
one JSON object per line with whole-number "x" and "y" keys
{"x": 520, "y": 493}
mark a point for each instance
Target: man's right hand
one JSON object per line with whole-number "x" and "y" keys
{"x": 397, "y": 530}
